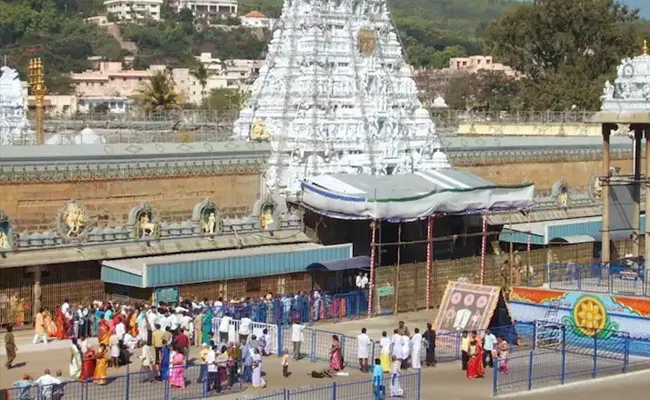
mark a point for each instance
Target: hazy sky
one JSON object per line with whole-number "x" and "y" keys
{"x": 643, "y": 5}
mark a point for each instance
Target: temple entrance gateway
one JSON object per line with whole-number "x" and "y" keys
{"x": 626, "y": 111}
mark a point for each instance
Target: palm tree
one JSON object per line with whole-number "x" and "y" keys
{"x": 201, "y": 75}
{"x": 159, "y": 93}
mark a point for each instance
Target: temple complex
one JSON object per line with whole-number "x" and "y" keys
{"x": 332, "y": 117}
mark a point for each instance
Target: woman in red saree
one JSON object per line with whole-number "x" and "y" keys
{"x": 104, "y": 332}
{"x": 88, "y": 365}
{"x": 475, "y": 367}
{"x": 61, "y": 325}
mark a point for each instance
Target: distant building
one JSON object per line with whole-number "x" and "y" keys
{"x": 204, "y": 8}
{"x": 56, "y": 104}
{"x": 256, "y": 19}
{"x": 134, "y": 10}
{"x": 115, "y": 85}
{"x": 475, "y": 64}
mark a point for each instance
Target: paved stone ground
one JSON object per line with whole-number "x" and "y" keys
{"x": 446, "y": 381}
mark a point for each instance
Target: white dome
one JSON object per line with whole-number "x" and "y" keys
{"x": 440, "y": 160}
{"x": 421, "y": 113}
{"x": 439, "y": 102}
{"x": 57, "y": 139}
{"x": 88, "y": 136}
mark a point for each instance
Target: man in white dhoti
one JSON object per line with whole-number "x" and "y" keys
{"x": 416, "y": 348}
{"x": 406, "y": 351}
{"x": 396, "y": 343}
{"x": 363, "y": 344}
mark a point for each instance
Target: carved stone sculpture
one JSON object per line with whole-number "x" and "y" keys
{"x": 210, "y": 226}
{"x": 146, "y": 227}
{"x": 74, "y": 218}
{"x": 4, "y": 241}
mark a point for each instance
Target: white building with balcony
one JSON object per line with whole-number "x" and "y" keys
{"x": 208, "y": 7}
{"x": 256, "y": 19}
{"x": 134, "y": 10}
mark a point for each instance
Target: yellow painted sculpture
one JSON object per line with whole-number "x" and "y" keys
{"x": 266, "y": 218}
{"x": 367, "y": 41}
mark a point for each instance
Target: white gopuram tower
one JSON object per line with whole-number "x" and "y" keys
{"x": 336, "y": 96}
{"x": 14, "y": 126}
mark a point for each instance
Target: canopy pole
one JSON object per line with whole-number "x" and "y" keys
{"x": 399, "y": 253}
{"x": 528, "y": 242}
{"x": 373, "y": 239}
{"x": 483, "y": 249}
{"x": 429, "y": 257}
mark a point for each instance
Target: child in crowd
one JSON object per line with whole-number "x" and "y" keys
{"x": 285, "y": 363}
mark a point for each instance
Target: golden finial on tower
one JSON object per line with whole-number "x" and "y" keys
{"x": 645, "y": 47}
{"x": 37, "y": 83}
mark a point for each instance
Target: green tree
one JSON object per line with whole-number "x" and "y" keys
{"x": 225, "y": 100}
{"x": 201, "y": 75}
{"x": 565, "y": 49}
{"x": 159, "y": 93}
{"x": 496, "y": 91}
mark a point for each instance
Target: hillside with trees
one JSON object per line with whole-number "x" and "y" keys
{"x": 562, "y": 49}
{"x": 432, "y": 30}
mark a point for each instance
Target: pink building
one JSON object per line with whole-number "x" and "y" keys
{"x": 474, "y": 64}
{"x": 110, "y": 79}
{"x": 110, "y": 83}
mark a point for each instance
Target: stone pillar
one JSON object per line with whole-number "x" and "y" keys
{"x": 606, "y": 131}
{"x": 36, "y": 291}
{"x": 647, "y": 193}
{"x": 636, "y": 207}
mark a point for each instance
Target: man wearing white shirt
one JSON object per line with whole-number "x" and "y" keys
{"x": 396, "y": 343}
{"x": 46, "y": 383}
{"x": 224, "y": 327}
{"x": 363, "y": 342}
{"x": 489, "y": 340}
{"x": 359, "y": 282}
{"x": 65, "y": 306}
{"x": 364, "y": 281}
{"x": 174, "y": 322}
{"x": 213, "y": 370}
{"x": 163, "y": 321}
{"x": 186, "y": 321}
{"x": 82, "y": 321}
{"x": 297, "y": 338}
{"x": 152, "y": 319}
{"x": 120, "y": 330}
{"x": 384, "y": 356}
{"x": 416, "y": 349}
{"x": 406, "y": 351}
{"x": 244, "y": 329}
{"x": 218, "y": 307}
